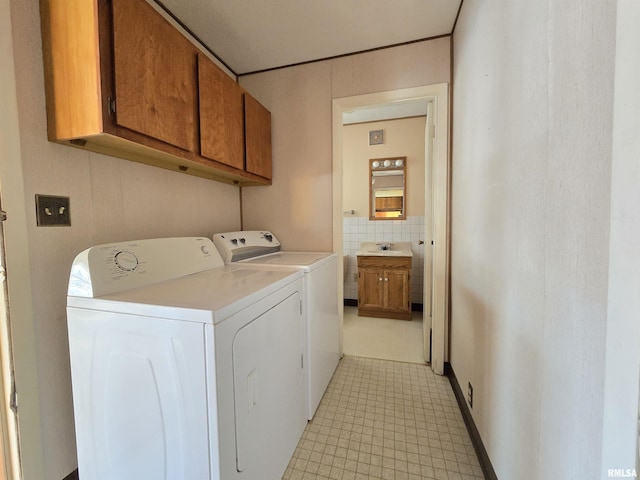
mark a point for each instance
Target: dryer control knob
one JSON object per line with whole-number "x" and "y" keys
{"x": 242, "y": 240}
{"x": 268, "y": 237}
{"x": 126, "y": 260}
{"x": 234, "y": 241}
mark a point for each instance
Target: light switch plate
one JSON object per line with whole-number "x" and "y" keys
{"x": 52, "y": 211}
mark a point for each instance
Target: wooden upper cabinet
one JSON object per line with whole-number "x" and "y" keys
{"x": 257, "y": 137}
{"x": 121, "y": 80}
{"x": 221, "y": 115}
{"x": 69, "y": 33}
{"x": 155, "y": 75}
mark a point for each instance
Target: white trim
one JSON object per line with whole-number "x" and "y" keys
{"x": 438, "y": 96}
{"x": 18, "y": 269}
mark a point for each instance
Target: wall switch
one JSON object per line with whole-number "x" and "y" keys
{"x": 470, "y": 395}
{"x": 52, "y": 211}
{"x": 355, "y": 277}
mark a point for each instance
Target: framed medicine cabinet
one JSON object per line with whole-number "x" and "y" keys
{"x": 387, "y": 188}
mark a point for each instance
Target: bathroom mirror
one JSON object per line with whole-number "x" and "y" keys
{"x": 387, "y": 191}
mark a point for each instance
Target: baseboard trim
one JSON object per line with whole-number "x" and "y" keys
{"x": 483, "y": 457}
{"x": 72, "y": 476}
{"x": 350, "y": 302}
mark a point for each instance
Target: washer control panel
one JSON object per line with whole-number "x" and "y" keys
{"x": 234, "y": 246}
{"x": 111, "y": 268}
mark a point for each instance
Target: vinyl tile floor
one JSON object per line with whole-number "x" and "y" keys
{"x": 385, "y": 420}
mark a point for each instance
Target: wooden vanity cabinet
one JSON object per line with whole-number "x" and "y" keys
{"x": 121, "y": 80}
{"x": 384, "y": 287}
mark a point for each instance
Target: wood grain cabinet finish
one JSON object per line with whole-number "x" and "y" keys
{"x": 384, "y": 287}
{"x": 121, "y": 80}
{"x": 154, "y": 69}
{"x": 221, "y": 115}
{"x": 258, "y": 137}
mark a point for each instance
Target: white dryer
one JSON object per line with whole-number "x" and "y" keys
{"x": 182, "y": 367}
{"x": 322, "y": 348}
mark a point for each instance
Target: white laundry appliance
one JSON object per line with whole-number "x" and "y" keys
{"x": 182, "y": 367}
{"x": 322, "y": 351}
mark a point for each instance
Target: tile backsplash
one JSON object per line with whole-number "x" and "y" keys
{"x": 360, "y": 229}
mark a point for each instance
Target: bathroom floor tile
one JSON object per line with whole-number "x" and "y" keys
{"x": 385, "y": 338}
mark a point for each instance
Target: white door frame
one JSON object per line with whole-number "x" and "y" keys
{"x": 438, "y": 98}
{"x": 23, "y": 456}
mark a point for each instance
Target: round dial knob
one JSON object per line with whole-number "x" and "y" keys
{"x": 268, "y": 237}
{"x": 126, "y": 260}
{"x": 234, "y": 241}
{"x": 242, "y": 240}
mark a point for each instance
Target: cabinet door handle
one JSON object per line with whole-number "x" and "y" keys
{"x": 386, "y": 279}
{"x": 380, "y": 279}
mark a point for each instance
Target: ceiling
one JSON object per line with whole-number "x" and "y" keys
{"x": 255, "y": 35}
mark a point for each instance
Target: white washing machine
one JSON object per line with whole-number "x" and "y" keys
{"x": 320, "y": 299}
{"x": 182, "y": 367}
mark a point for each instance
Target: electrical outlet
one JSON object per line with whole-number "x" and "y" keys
{"x": 470, "y": 395}
{"x": 52, "y": 211}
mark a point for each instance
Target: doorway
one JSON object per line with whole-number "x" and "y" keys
{"x": 401, "y": 126}
{"x": 435, "y": 339}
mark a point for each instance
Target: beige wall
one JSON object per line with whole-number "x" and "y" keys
{"x": 402, "y": 138}
{"x": 622, "y": 368}
{"x": 298, "y": 206}
{"x": 111, "y": 200}
{"x": 531, "y": 170}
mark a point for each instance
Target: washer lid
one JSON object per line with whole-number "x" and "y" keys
{"x": 305, "y": 260}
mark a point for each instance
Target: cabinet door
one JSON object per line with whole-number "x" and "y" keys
{"x": 257, "y": 137}
{"x": 155, "y": 75}
{"x": 221, "y": 115}
{"x": 397, "y": 294}
{"x": 370, "y": 288}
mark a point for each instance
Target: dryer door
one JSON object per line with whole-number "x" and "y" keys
{"x": 269, "y": 392}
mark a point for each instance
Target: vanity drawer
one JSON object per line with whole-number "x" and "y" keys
{"x": 384, "y": 262}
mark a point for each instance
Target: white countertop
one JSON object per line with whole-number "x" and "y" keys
{"x": 384, "y": 249}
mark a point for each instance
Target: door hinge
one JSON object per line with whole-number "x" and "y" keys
{"x": 432, "y": 131}
{"x": 3, "y": 215}
{"x": 111, "y": 105}
{"x": 302, "y": 361}
{"x": 300, "y": 307}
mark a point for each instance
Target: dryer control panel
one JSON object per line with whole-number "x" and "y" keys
{"x": 111, "y": 268}
{"x": 236, "y": 246}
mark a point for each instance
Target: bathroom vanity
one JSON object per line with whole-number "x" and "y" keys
{"x": 384, "y": 280}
